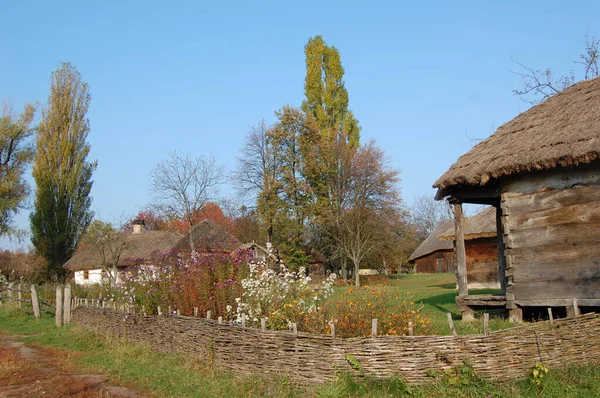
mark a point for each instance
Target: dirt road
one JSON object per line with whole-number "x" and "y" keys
{"x": 27, "y": 371}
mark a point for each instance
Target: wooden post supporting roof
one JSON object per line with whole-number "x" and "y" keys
{"x": 461, "y": 258}
{"x": 461, "y": 262}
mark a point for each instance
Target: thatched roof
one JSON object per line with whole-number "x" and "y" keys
{"x": 562, "y": 131}
{"x": 433, "y": 243}
{"x": 208, "y": 235}
{"x": 481, "y": 225}
{"x": 136, "y": 246}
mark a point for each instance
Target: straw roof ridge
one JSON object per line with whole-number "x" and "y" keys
{"x": 562, "y": 131}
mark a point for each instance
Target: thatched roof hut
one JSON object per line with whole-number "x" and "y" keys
{"x": 541, "y": 171}
{"x": 135, "y": 247}
{"x": 433, "y": 242}
{"x": 481, "y": 225}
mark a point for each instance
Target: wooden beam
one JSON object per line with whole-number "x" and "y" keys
{"x": 500, "y": 243}
{"x": 461, "y": 259}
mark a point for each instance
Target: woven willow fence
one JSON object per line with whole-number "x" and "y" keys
{"x": 307, "y": 357}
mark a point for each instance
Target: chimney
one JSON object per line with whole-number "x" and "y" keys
{"x": 138, "y": 226}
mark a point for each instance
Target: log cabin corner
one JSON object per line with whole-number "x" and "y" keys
{"x": 541, "y": 172}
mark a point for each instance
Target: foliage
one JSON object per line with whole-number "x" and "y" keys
{"x": 28, "y": 266}
{"x": 182, "y": 185}
{"x": 283, "y": 297}
{"x": 184, "y": 281}
{"x": 109, "y": 242}
{"x": 538, "y": 373}
{"x": 461, "y": 375}
{"x": 353, "y": 310}
{"x": 16, "y": 152}
{"x": 61, "y": 172}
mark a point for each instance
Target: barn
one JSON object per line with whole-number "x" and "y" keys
{"x": 434, "y": 255}
{"x": 541, "y": 172}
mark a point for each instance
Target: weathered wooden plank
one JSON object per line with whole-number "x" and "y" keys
{"x": 588, "y": 247}
{"x": 569, "y": 233}
{"x": 584, "y": 175}
{"x": 550, "y": 198}
{"x": 500, "y": 248}
{"x": 557, "y": 270}
{"x": 558, "y": 302}
{"x": 538, "y": 290}
{"x": 580, "y": 213}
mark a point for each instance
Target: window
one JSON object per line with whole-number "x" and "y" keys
{"x": 86, "y": 274}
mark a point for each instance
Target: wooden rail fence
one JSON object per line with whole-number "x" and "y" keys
{"x": 17, "y": 296}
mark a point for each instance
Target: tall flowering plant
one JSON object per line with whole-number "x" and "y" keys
{"x": 279, "y": 295}
{"x": 184, "y": 281}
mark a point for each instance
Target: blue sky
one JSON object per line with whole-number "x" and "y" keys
{"x": 425, "y": 78}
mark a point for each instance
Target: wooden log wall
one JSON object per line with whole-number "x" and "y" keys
{"x": 307, "y": 357}
{"x": 482, "y": 260}
{"x": 430, "y": 264}
{"x": 552, "y": 241}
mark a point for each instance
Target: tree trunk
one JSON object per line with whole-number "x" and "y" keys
{"x": 356, "y": 273}
{"x": 344, "y": 268}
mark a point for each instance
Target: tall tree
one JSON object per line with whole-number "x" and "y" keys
{"x": 182, "y": 185}
{"x": 328, "y": 147}
{"x": 16, "y": 152}
{"x": 427, "y": 213}
{"x": 61, "y": 171}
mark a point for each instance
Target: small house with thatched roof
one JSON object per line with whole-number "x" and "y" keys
{"x": 541, "y": 171}
{"x": 434, "y": 255}
{"x": 90, "y": 261}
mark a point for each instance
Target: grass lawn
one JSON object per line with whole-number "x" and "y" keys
{"x": 435, "y": 295}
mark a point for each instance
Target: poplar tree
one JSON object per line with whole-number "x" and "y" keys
{"x": 61, "y": 171}
{"x": 329, "y": 148}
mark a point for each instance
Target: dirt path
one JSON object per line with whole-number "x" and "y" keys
{"x": 42, "y": 372}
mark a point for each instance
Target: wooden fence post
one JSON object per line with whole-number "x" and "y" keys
{"x": 67, "y": 306}
{"x": 486, "y": 324}
{"x": 59, "y": 303}
{"x": 411, "y": 331}
{"x": 195, "y": 312}
{"x": 20, "y": 295}
{"x": 332, "y": 327}
{"x": 10, "y": 294}
{"x": 550, "y": 317}
{"x": 243, "y": 320}
{"x": 220, "y": 320}
{"x": 208, "y": 315}
{"x": 159, "y": 312}
{"x": 35, "y": 302}
{"x": 451, "y": 323}
{"x": 374, "y": 327}
{"x": 294, "y": 328}
{"x": 576, "y": 311}
{"x": 263, "y": 324}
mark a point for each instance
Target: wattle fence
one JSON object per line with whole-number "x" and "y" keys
{"x": 308, "y": 357}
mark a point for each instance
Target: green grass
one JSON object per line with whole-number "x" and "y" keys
{"x": 435, "y": 295}
{"x": 171, "y": 375}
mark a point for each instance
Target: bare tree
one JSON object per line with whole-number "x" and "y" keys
{"x": 110, "y": 241}
{"x": 427, "y": 213}
{"x": 372, "y": 206}
{"x": 539, "y": 84}
{"x": 256, "y": 174}
{"x": 182, "y": 185}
